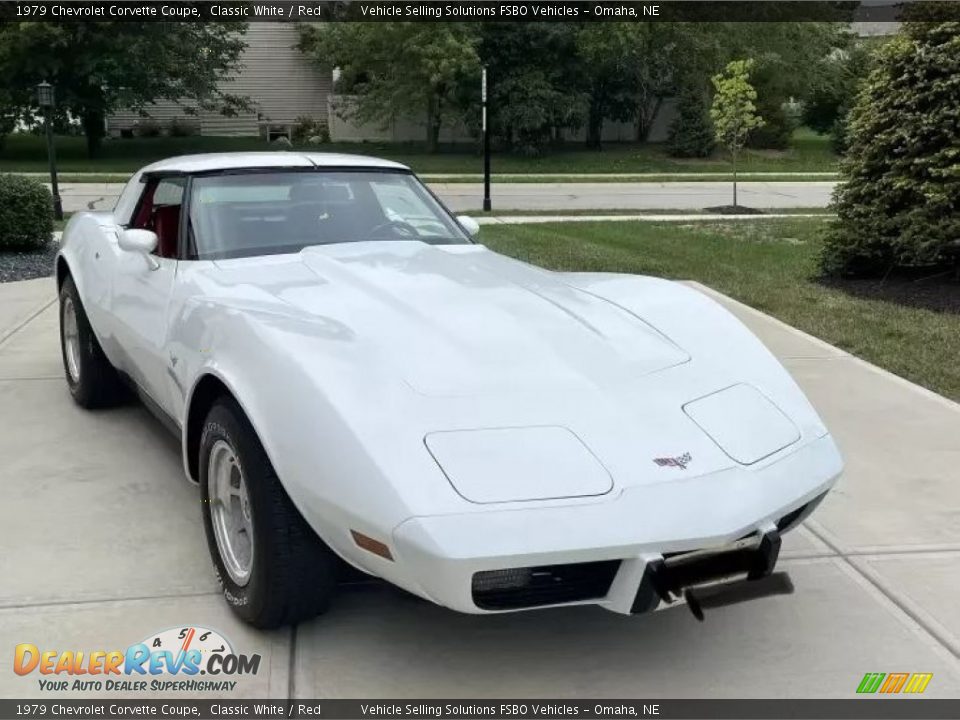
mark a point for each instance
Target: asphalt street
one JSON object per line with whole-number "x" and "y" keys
{"x": 101, "y": 546}
{"x": 465, "y": 197}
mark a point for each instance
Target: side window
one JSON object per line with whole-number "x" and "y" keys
{"x": 159, "y": 210}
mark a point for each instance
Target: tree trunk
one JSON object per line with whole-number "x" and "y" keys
{"x": 734, "y": 178}
{"x": 595, "y": 127}
{"x": 93, "y": 129}
{"x": 646, "y": 118}
{"x": 433, "y": 124}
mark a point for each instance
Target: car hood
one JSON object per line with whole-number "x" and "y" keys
{"x": 459, "y": 320}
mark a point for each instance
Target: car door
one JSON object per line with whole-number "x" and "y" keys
{"x": 142, "y": 288}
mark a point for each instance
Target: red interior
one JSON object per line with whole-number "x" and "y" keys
{"x": 166, "y": 223}
{"x": 163, "y": 220}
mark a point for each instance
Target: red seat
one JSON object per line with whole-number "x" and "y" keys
{"x": 166, "y": 224}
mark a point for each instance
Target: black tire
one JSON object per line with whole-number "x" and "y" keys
{"x": 97, "y": 383}
{"x": 293, "y": 574}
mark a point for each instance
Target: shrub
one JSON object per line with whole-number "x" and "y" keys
{"x": 306, "y": 128}
{"x": 26, "y": 212}
{"x": 777, "y": 129}
{"x": 147, "y": 128}
{"x": 282, "y": 143}
{"x": 899, "y": 204}
{"x": 691, "y": 132}
{"x": 183, "y": 127}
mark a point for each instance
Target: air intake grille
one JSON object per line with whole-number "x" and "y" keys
{"x": 544, "y": 585}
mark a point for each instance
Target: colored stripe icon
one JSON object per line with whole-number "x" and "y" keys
{"x": 892, "y": 683}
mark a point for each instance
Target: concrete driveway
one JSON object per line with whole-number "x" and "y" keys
{"x": 101, "y": 546}
{"x": 462, "y": 197}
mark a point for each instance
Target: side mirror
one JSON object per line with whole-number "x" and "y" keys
{"x": 140, "y": 241}
{"x": 469, "y": 224}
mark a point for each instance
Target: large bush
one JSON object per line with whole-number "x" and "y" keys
{"x": 899, "y": 202}
{"x": 778, "y": 126}
{"x": 691, "y": 132}
{"x": 305, "y": 128}
{"x": 26, "y": 213}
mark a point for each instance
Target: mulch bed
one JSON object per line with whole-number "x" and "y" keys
{"x": 940, "y": 293}
{"x": 733, "y": 210}
{"x": 27, "y": 264}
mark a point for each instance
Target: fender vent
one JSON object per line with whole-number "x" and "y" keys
{"x": 518, "y": 588}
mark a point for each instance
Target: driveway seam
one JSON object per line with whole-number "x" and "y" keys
{"x": 292, "y": 663}
{"x": 95, "y": 601}
{"x": 5, "y": 336}
{"x": 934, "y": 630}
{"x": 882, "y": 553}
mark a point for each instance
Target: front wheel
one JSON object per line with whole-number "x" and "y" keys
{"x": 273, "y": 568}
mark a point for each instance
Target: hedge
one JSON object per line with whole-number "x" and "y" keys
{"x": 898, "y": 205}
{"x": 26, "y": 213}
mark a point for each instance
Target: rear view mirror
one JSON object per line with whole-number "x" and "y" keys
{"x": 469, "y": 224}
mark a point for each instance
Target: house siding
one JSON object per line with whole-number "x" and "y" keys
{"x": 281, "y": 83}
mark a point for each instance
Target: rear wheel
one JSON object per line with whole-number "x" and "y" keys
{"x": 273, "y": 568}
{"x": 92, "y": 380}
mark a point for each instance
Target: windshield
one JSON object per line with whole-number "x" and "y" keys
{"x": 264, "y": 213}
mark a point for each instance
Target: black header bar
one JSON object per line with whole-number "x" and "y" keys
{"x": 441, "y": 11}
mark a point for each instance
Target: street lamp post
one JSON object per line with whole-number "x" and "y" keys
{"x": 45, "y": 98}
{"x": 486, "y": 141}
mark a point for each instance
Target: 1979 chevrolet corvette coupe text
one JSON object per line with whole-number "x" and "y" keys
{"x": 355, "y": 380}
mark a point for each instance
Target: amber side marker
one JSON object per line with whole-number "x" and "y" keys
{"x": 370, "y": 545}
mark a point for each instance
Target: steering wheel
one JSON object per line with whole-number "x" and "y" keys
{"x": 400, "y": 230}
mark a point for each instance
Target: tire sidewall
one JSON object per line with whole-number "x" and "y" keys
{"x": 69, "y": 291}
{"x": 222, "y": 424}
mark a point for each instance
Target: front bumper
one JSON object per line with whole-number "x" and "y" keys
{"x": 437, "y": 556}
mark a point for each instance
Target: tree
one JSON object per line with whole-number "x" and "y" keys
{"x": 734, "y": 110}
{"x": 789, "y": 63}
{"x": 692, "y": 134}
{"x": 898, "y": 204}
{"x": 827, "y": 105}
{"x": 533, "y": 87}
{"x": 609, "y": 55}
{"x": 398, "y": 69}
{"x": 97, "y": 67}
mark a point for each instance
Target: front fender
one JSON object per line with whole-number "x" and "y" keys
{"x": 712, "y": 335}
{"x": 267, "y": 360}
{"x": 89, "y": 249}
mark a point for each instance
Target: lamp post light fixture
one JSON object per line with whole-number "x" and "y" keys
{"x": 46, "y": 100}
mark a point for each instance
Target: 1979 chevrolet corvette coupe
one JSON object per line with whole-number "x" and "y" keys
{"x": 356, "y": 382}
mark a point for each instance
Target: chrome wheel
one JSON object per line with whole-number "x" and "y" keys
{"x": 71, "y": 339}
{"x": 230, "y": 512}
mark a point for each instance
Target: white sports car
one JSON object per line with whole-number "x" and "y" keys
{"x": 354, "y": 378}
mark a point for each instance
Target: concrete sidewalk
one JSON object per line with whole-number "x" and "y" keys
{"x": 561, "y": 196}
{"x": 649, "y": 217}
{"x": 101, "y": 546}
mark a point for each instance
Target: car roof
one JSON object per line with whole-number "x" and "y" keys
{"x": 239, "y": 160}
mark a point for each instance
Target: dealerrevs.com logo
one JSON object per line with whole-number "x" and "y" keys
{"x": 171, "y": 660}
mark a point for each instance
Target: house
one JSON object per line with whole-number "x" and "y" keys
{"x": 282, "y": 83}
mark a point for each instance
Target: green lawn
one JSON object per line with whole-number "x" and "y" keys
{"x": 767, "y": 264}
{"x": 809, "y": 153}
